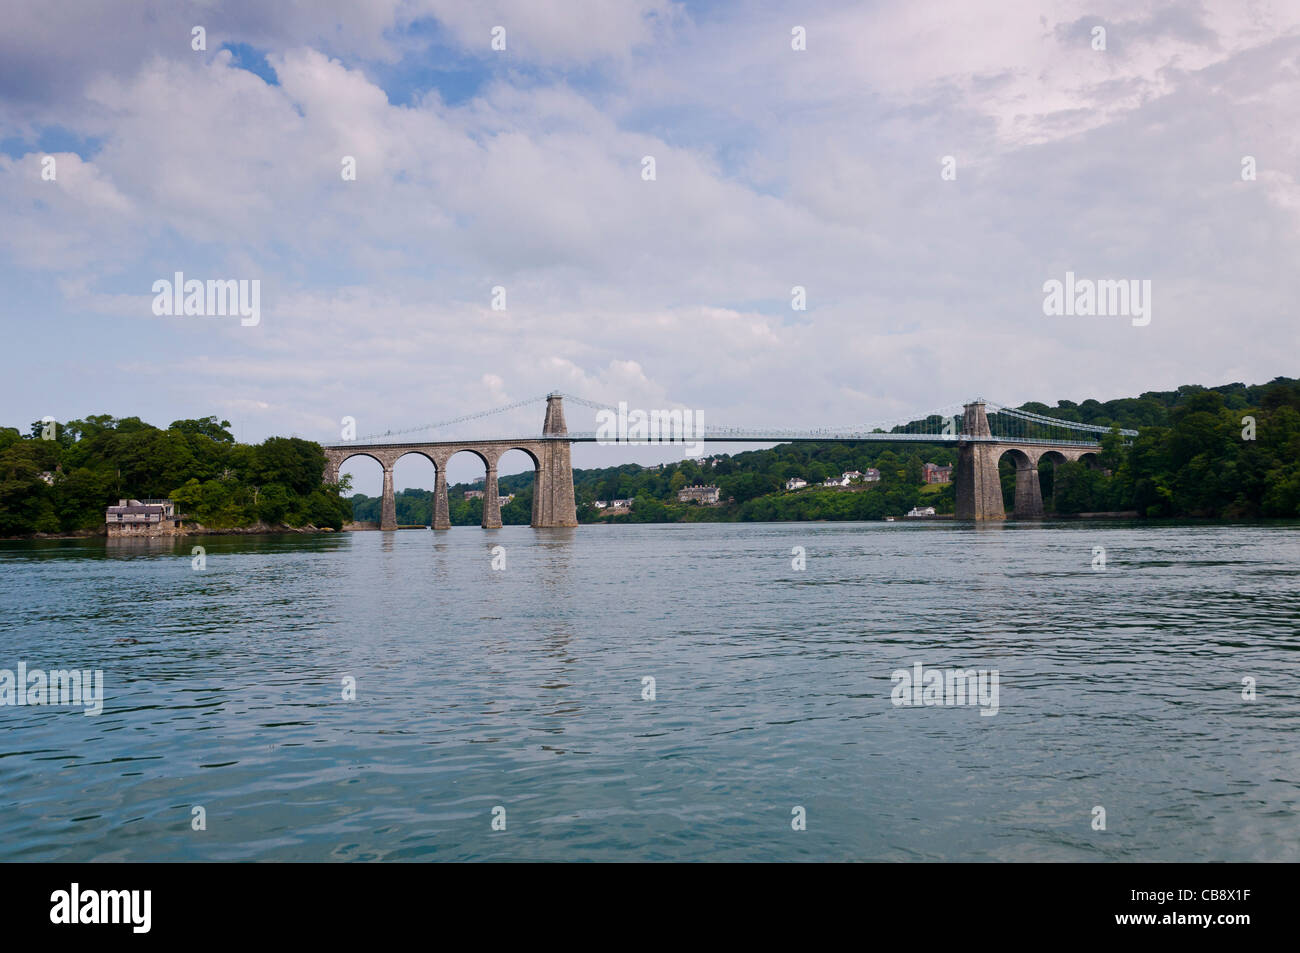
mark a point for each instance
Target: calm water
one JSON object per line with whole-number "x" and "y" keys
{"x": 522, "y": 688}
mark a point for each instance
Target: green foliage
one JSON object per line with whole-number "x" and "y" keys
{"x": 197, "y": 463}
{"x": 1194, "y": 458}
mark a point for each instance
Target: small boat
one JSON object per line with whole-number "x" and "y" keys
{"x": 889, "y": 519}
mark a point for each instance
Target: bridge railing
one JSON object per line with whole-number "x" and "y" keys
{"x": 759, "y": 436}
{"x": 737, "y": 436}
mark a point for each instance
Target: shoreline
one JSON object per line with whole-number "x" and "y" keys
{"x": 264, "y": 530}
{"x": 257, "y": 529}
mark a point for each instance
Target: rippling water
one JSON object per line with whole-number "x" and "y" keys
{"x": 522, "y": 688}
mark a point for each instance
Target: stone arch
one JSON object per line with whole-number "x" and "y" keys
{"x": 336, "y": 458}
{"x": 417, "y": 478}
{"x": 1018, "y": 457}
{"x": 419, "y": 453}
{"x": 532, "y": 455}
{"x": 336, "y": 461}
{"x": 1028, "y": 495}
{"x": 479, "y": 452}
{"x": 538, "y": 477}
{"x": 491, "y": 492}
{"x": 1047, "y": 475}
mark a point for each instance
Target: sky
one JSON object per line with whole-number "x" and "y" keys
{"x": 921, "y": 170}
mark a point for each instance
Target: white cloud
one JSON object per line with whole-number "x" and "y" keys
{"x": 775, "y": 168}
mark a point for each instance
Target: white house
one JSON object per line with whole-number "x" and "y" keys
{"x": 921, "y": 511}
{"x": 795, "y": 483}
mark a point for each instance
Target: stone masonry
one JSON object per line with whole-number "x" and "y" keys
{"x": 553, "y": 503}
{"x": 979, "y": 489}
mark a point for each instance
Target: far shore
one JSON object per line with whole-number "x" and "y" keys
{"x": 265, "y": 530}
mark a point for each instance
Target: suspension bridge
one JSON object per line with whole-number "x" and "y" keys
{"x": 983, "y": 432}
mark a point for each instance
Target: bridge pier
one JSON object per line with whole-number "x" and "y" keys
{"x": 388, "y": 510}
{"x": 979, "y": 490}
{"x": 1029, "y": 493}
{"x": 553, "y": 502}
{"x": 441, "y": 509}
{"x": 491, "y": 499}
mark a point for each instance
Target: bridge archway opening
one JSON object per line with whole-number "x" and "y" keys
{"x": 1047, "y": 464}
{"x": 467, "y": 471}
{"x": 414, "y": 474}
{"x": 1010, "y": 465}
{"x": 517, "y": 472}
{"x": 367, "y": 478}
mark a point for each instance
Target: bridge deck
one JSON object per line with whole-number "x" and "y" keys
{"x": 716, "y": 438}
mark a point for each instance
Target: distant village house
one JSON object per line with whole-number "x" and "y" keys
{"x": 704, "y": 495}
{"x": 482, "y": 494}
{"x": 933, "y": 473}
{"x": 850, "y": 477}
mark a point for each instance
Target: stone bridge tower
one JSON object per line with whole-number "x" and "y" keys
{"x": 553, "y": 503}
{"x": 979, "y": 490}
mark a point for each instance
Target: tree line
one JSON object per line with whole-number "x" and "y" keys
{"x": 1230, "y": 452}
{"x": 60, "y": 477}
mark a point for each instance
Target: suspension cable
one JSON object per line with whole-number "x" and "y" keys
{"x": 454, "y": 420}
{"x": 1017, "y": 424}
